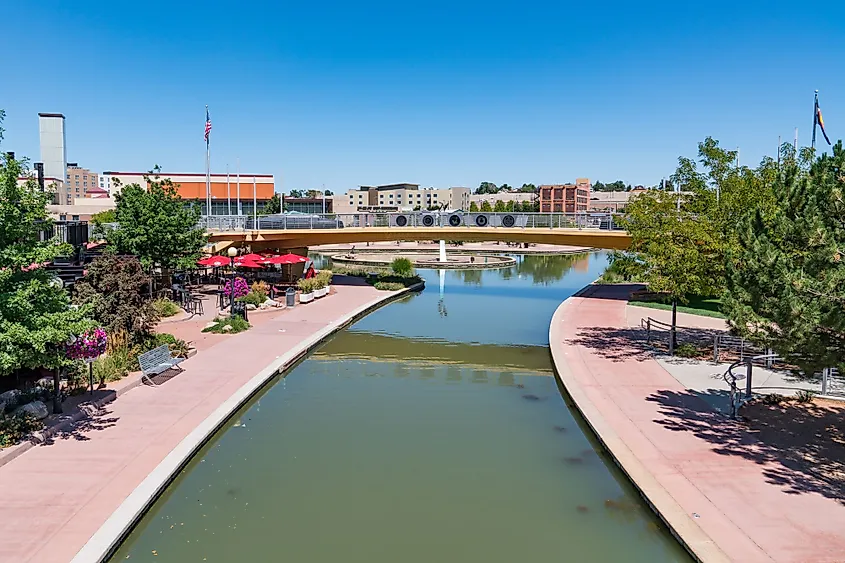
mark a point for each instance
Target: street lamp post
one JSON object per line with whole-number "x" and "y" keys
{"x": 232, "y": 252}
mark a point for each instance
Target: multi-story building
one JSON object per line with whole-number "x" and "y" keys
{"x": 504, "y": 197}
{"x": 228, "y": 191}
{"x": 565, "y": 198}
{"x": 312, "y": 205}
{"x": 396, "y": 197}
{"x": 79, "y": 180}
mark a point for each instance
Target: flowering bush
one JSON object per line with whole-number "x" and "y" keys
{"x": 241, "y": 288}
{"x": 90, "y": 344}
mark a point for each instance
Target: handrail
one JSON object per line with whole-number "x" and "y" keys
{"x": 414, "y": 219}
{"x": 736, "y": 399}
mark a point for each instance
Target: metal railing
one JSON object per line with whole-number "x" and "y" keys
{"x": 412, "y": 219}
{"x": 737, "y": 399}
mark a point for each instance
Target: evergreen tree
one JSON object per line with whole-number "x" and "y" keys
{"x": 786, "y": 278}
{"x": 473, "y": 208}
{"x": 499, "y": 207}
{"x": 485, "y": 207}
{"x": 273, "y": 206}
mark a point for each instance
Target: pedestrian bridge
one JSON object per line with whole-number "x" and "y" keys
{"x": 297, "y": 231}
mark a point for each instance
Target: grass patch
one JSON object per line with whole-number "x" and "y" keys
{"x": 388, "y": 286}
{"x": 165, "y": 307}
{"x": 697, "y": 305}
{"x": 236, "y": 324}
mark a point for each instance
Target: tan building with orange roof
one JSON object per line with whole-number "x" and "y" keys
{"x": 226, "y": 189}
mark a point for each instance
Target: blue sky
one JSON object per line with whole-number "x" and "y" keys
{"x": 436, "y": 93}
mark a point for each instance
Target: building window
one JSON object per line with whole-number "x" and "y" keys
{"x": 74, "y": 217}
{"x": 76, "y": 176}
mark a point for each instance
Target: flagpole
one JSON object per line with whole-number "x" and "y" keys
{"x": 207, "y": 169}
{"x": 228, "y": 193}
{"x": 815, "y": 118}
{"x": 239, "y": 185}
{"x": 254, "y": 203}
{"x": 795, "y": 142}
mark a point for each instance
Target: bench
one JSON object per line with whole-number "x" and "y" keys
{"x": 156, "y": 361}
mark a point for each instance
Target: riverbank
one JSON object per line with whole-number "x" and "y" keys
{"x": 726, "y": 494}
{"x": 465, "y": 248}
{"x": 87, "y": 485}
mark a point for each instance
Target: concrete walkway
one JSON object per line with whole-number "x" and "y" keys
{"x": 56, "y": 496}
{"x": 721, "y": 493}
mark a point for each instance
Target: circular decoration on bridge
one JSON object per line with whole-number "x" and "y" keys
{"x": 401, "y": 221}
{"x": 481, "y": 220}
{"x": 428, "y": 220}
{"x": 455, "y": 220}
{"x": 508, "y": 221}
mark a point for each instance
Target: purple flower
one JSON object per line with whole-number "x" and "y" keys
{"x": 241, "y": 287}
{"x": 88, "y": 345}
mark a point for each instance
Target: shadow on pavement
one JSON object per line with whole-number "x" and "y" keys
{"x": 79, "y": 430}
{"x": 799, "y": 446}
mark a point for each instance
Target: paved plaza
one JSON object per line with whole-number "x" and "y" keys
{"x": 727, "y": 495}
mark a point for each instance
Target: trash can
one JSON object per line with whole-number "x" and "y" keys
{"x": 290, "y": 297}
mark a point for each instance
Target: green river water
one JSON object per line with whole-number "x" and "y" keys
{"x": 431, "y": 430}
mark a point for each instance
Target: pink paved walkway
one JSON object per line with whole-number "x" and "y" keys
{"x": 725, "y": 493}
{"x": 54, "y": 497}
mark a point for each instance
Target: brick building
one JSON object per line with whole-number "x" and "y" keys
{"x": 565, "y": 198}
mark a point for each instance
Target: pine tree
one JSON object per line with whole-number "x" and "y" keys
{"x": 786, "y": 278}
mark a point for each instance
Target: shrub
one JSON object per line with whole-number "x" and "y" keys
{"x": 307, "y": 286}
{"x": 804, "y": 396}
{"x": 325, "y": 277}
{"x": 176, "y": 345}
{"x": 253, "y": 298}
{"x": 686, "y": 350}
{"x": 15, "y": 428}
{"x": 388, "y": 286}
{"x": 115, "y": 365}
{"x": 260, "y": 288}
{"x": 402, "y": 266}
{"x": 237, "y": 323}
{"x": 165, "y": 307}
{"x": 772, "y": 399}
{"x": 119, "y": 292}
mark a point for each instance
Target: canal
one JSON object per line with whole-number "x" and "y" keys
{"x": 431, "y": 430}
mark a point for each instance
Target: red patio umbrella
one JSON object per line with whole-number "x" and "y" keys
{"x": 257, "y": 258}
{"x": 287, "y": 259}
{"x": 241, "y": 262}
{"x": 214, "y": 261}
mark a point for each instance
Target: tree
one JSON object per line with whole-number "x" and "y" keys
{"x": 485, "y": 206}
{"x": 678, "y": 249}
{"x": 295, "y": 193}
{"x": 473, "y": 207}
{"x": 487, "y": 188}
{"x": 786, "y": 277}
{"x": 273, "y": 206}
{"x": 156, "y": 226}
{"x": 499, "y": 207}
{"x": 528, "y": 188}
{"x": 36, "y": 319}
{"x": 683, "y": 241}
{"x": 116, "y": 289}
{"x": 505, "y": 188}
{"x": 509, "y": 207}
{"x": 314, "y": 194}
{"x": 328, "y": 193}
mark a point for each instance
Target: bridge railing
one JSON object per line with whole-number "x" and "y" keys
{"x": 412, "y": 219}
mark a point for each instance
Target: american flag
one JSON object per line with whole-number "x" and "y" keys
{"x": 207, "y": 125}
